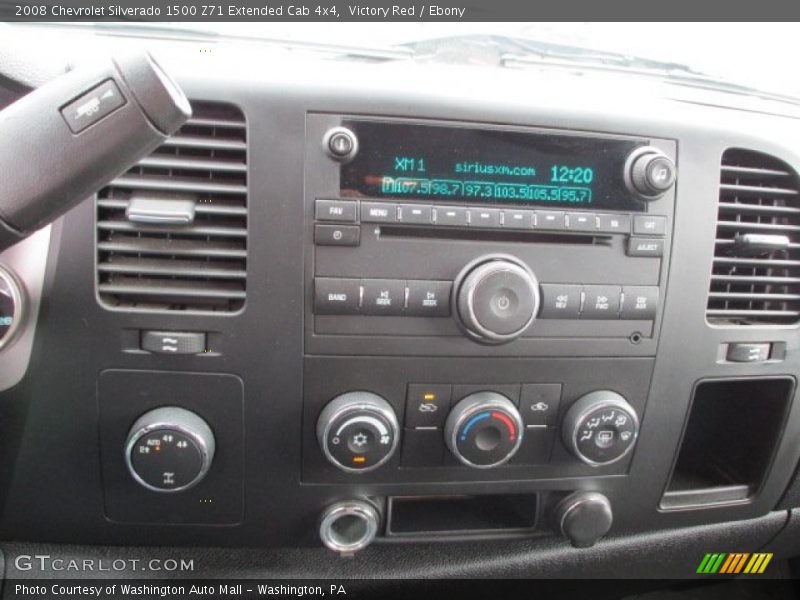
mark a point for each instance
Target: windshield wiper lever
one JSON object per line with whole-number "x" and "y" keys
{"x": 64, "y": 141}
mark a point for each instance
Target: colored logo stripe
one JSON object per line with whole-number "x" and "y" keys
{"x": 734, "y": 563}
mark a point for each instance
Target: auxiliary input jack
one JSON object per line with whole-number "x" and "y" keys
{"x": 349, "y": 526}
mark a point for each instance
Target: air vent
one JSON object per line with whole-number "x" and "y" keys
{"x": 756, "y": 274}
{"x": 172, "y": 231}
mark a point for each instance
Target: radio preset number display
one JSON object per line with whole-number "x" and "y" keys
{"x": 416, "y": 161}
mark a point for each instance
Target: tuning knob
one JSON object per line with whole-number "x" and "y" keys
{"x": 649, "y": 173}
{"x": 600, "y": 428}
{"x": 484, "y": 430}
{"x": 584, "y": 518}
{"x": 358, "y": 431}
{"x": 497, "y": 299}
{"x": 169, "y": 449}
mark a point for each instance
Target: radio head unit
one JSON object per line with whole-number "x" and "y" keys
{"x": 455, "y": 239}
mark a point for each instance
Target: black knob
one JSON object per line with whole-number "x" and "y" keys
{"x": 341, "y": 144}
{"x": 584, "y": 518}
{"x": 497, "y": 299}
{"x": 600, "y": 428}
{"x": 358, "y": 431}
{"x": 12, "y": 307}
{"x": 484, "y": 430}
{"x": 169, "y": 449}
{"x": 649, "y": 173}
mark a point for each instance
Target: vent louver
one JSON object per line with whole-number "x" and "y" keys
{"x": 755, "y": 278}
{"x": 197, "y": 266}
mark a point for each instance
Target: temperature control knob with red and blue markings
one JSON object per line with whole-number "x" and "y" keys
{"x": 484, "y": 430}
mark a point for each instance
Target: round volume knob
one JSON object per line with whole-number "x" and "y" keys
{"x": 649, "y": 173}
{"x": 340, "y": 143}
{"x": 169, "y": 449}
{"x": 600, "y": 428}
{"x": 358, "y": 431}
{"x": 497, "y": 299}
{"x": 484, "y": 430}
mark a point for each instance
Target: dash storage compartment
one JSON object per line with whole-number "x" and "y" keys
{"x": 733, "y": 430}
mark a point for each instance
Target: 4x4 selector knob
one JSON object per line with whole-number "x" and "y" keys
{"x": 484, "y": 430}
{"x": 358, "y": 431}
{"x": 600, "y": 428}
{"x": 169, "y": 449}
{"x": 497, "y": 298}
{"x": 649, "y": 173}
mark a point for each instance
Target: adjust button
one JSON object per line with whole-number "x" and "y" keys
{"x": 336, "y": 235}
{"x": 560, "y": 301}
{"x": 639, "y": 302}
{"x": 427, "y": 405}
{"x": 383, "y": 296}
{"x": 335, "y": 210}
{"x": 645, "y": 246}
{"x": 429, "y": 298}
{"x": 601, "y": 302}
{"x": 333, "y": 296}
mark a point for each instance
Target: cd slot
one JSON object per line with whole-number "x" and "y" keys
{"x": 488, "y": 235}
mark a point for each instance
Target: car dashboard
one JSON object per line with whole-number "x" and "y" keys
{"x": 404, "y": 312}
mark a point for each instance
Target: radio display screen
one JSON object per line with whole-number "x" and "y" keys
{"x": 399, "y": 160}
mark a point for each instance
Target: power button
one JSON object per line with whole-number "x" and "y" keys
{"x": 340, "y": 143}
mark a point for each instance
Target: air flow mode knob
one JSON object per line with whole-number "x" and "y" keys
{"x": 600, "y": 428}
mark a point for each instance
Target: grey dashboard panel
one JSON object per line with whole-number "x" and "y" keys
{"x": 55, "y": 413}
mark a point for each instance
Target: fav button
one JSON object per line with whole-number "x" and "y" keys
{"x": 335, "y": 210}
{"x": 427, "y": 405}
{"x": 601, "y": 302}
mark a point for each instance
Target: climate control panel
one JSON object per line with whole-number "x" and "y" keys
{"x": 479, "y": 427}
